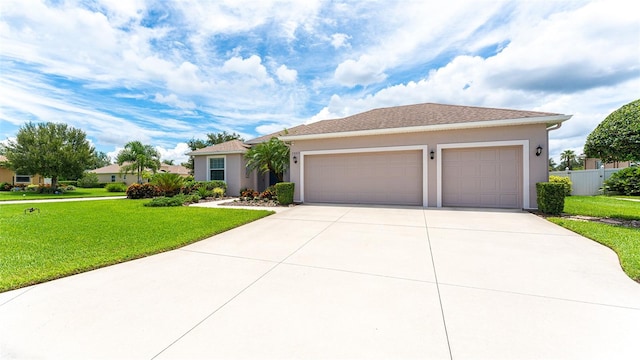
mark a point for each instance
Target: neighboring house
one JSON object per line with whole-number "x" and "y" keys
{"x": 592, "y": 163}
{"x": 112, "y": 173}
{"x": 226, "y": 162}
{"x": 9, "y": 176}
{"x": 430, "y": 155}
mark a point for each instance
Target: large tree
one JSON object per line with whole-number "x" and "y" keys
{"x": 617, "y": 137}
{"x": 270, "y": 156}
{"x": 99, "y": 159}
{"x": 50, "y": 150}
{"x": 135, "y": 158}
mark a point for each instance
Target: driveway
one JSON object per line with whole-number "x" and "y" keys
{"x": 343, "y": 282}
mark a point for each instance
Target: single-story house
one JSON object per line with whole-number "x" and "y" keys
{"x": 430, "y": 155}
{"x": 9, "y": 176}
{"x": 112, "y": 173}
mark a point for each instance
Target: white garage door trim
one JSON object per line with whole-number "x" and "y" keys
{"x": 423, "y": 148}
{"x": 525, "y": 164}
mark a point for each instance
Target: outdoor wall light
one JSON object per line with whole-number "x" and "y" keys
{"x": 432, "y": 154}
{"x": 295, "y": 159}
{"x": 538, "y": 150}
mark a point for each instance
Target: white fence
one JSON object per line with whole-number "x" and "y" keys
{"x": 586, "y": 182}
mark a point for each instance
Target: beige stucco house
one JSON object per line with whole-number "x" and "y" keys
{"x": 430, "y": 155}
{"x": 112, "y": 173}
{"x": 9, "y": 176}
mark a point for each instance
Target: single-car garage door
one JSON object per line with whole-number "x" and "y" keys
{"x": 393, "y": 177}
{"x": 482, "y": 177}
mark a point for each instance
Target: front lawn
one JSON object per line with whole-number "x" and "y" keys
{"x": 73, "y": 237}
{"x": 625, "y": 241}
{"x": 78, "y": 193}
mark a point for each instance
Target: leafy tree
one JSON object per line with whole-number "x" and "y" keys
{"x": 270, "y": 156}
{"x": 219, "y": 138}
{"x": 617, "y": 137}
{"x": 99, "y": 159}
{"x": 138, "y": 158}
{"x": 552, "y": 164}
{"x": 568, "y": 159}
{"x": 168, "y": 162}
{"x": 51, "y": 150}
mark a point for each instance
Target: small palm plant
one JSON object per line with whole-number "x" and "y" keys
{"x": 169, "y": 184}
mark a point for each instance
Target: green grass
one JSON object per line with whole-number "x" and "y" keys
{"x": 78, "y": 193}
{"x": 624, "y": 241}
{"x": 72, "y": 237}
{"x": 602, "y": 206}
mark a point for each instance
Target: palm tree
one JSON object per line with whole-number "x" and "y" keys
{"x": 138, "y": 157}
{"x": 270, "y": 156}
{"x": 568, "y": 157}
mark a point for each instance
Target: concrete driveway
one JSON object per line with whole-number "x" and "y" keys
{"x": 343, "y": 282}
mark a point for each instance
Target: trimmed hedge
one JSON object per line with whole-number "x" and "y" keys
{"x": 142, "y": 191}
{"x": 116, "y": 187}
{"x": 550, "y": 197}
{"x": 284, "y": 192}
{"x": 562, "y": 180}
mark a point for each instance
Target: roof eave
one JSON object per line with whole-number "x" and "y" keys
{"x": 548, "y": 120}
{"x": 193, "y": 153}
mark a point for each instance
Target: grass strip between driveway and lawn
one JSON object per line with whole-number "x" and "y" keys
{"x": 72, "y": 237}
{"x": 624, "y": 241}
{"x": 77, "y": 193}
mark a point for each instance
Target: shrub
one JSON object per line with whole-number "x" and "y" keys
{"x": 68, "y": 183}
{"x": 116, "y": 187}
{"x": 625, "y": 181}
{"x": 284, "y": 191}
{"x": 249, "y": 193}
{"x": 269, "y": 193}
{"x": 5, "y": 186}
{"x": 142, "y": 191}
{"x": 550, "y": 197}
{"x": 88, "y": 180}
{"x": 218, "y": 192}
{"x": 562, "y": 180}
{"x": 203, "y": 192}
{"x": 169, "y": 184}
{"x": 178, "y": 200}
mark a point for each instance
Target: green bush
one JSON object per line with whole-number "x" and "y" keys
{"x": 5, "y": 186}
{"x": 142, "y": 191}
{"x": 177, "y": 200}
{"x": 625, "y": 181}
{"x": 190, "y": 187}
{"x": 116, "y": 187}
{"x": 88, "y": 180}
{"x": 564, "y": 180}
{"x": 68, "y": 183}
{"x": 284, "y": 191}
{"x": 169, "y": 184}
{"x": 550, "y": 197}
{"x": 203, "y": 192}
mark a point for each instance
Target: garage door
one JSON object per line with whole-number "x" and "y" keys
{"x": 393, "y": 177}
{"x": 482, "y": 177}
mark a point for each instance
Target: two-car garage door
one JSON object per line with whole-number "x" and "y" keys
{"x": 471, "y": 177}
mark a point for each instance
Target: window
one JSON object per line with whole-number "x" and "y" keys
{"x": 113, "y": 178}
{"x": 23, "y": 178}
{"x": 216, "y": 168}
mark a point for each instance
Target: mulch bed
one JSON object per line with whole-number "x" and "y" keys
{"x": 256, "y": 203}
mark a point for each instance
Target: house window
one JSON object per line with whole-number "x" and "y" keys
{"x": 113, "y": 178}
{"x": 23, "y": 178}
{"x": 216, "y": 168}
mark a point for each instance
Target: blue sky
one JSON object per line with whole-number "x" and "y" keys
{"x": 164, "y": 72}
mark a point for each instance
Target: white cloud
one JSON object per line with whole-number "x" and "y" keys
{"x": 177, "y": 154}
{"x": 366, "y": 70}
{"x": 173, "y": 100}
{"x": 339, "y": 40}
{"x": 251, "y": 67}
{"x": 286, "y": 75}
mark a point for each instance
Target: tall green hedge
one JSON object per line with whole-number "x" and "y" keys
{"x": 284, "y": 191}
{"x": 550, "y": 197}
